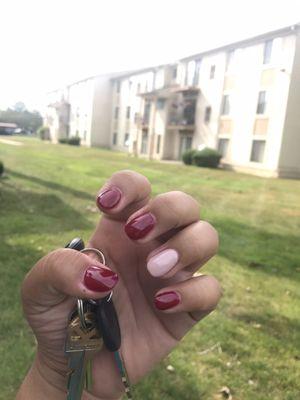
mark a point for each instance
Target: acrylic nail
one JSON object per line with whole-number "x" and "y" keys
{"x": 109, "y": 198}
{"x": 100, "y": 279}
{"x": 167, "y": 300}
{"x": 140, "y": 226}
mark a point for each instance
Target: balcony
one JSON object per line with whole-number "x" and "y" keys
{"x": 182, "y": 112}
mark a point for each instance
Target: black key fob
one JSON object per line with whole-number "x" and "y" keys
{"x": 108, "y": 324}
{"x": 76, "y": 244}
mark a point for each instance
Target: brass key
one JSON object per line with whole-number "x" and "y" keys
{"x": 80, "y": 340}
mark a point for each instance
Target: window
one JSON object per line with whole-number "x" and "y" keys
{"x": 160, "y": 103}
{"x": 118, "y": 85}
{"x": 128, "y": 112}
{"x": 158, "y": 144}
{"x": 184, "y": 144}
{"x": 258, "y": 150}
{"x": 116, "y": 112}
{"x": 268, "y": 51}
{"x": 115, "y": 138}
{"x": 174, "y": 72}
{"x": 126, "y": 139}
{"x": 230, "y": 60}
{"x": 225, "y": 105}
{"x": 147, "y": 113}
{"x": 207, "y": 114}
{"x": 223, "y": 147}
{"x": 197, "y": 72}
{"x": 262, "y": 103}
{"x": 144, "y": 144}
{"x": 138, "y": 88}
{"x": 212, "y": 72}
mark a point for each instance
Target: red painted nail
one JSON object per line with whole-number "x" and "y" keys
{"x": 140, "y": 226}
{"x": 109, "y": 198}
{"x": 166, "y": 300}
{"x": 100, "y": 279}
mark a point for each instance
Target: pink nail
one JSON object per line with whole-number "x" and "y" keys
{"x": 162, "y": 262}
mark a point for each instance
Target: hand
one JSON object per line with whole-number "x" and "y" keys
{"x": 150, "y": 267}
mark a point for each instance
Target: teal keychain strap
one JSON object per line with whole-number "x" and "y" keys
{"x": 123, "y": 374}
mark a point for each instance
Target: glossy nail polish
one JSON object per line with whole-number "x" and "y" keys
{"x": 140, "y": 226}
{"x": 166, "y": 300}
{"x": 109, "y": 198}
{"x": 100, "y": 279}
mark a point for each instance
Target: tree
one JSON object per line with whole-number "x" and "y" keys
{"x": 25, "y": 119}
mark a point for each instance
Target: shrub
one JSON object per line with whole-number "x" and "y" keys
{"x": 207, "y": 158}
{"x": 1, "y": 168}
{"x": 43, "y": 133}
{"x": 187, "y": 156}
{"x": 74, "y": 141}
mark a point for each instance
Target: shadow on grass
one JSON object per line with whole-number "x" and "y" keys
{"x": 52, "y": 185}
{"x": 258, "y": 249}
{"x": 28, "y": 212}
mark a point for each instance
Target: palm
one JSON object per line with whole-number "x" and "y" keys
{"x": 147, "y": 334}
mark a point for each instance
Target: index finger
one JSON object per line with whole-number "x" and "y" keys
{"x": 124, "y": 193}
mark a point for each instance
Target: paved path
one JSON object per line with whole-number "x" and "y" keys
{"x": 11, "y": 142}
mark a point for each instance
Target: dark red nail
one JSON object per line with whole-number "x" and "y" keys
{"x": 109, "y": 198}
{"x": 140, "y": 226}
{"x": 166, "y": 300}
{"x": 100, "y": 279}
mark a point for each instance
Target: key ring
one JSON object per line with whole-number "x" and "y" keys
{"x": 80, "y": 308}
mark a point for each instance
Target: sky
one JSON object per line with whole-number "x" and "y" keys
{"x": 46, "y": 44}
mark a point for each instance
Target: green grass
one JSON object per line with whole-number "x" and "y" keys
{"x": 44, "y": 201}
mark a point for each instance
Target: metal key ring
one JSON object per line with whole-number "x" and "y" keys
{"x": 98, "y": 252}
{"x": 80, "y": 309}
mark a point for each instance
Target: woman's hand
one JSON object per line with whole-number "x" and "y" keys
{"x": 153, "y": 247}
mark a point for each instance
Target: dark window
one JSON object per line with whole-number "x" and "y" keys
{"x": 207, "y": 115}
{"x": 118, "y": 85}
{"x": 268, "y": 51}
{"x": 262, "y": 103}
{"x": 128, "y": 112}
{"x": 258, "y": 150}
{"x": 160, "y": 103}
{"x": 212, "y": 72}
{"x": 144, "y": 144}
{"x": 225, "y": 105}
{"x": 77, "y": 132}
{"x": 115, "y": 138}
{"x": 117, "y": 112}
{"x": 138, "y": 88}
{"x": 126, "y": 139}
{"x": 223, "y": 147}
{"x": 185, "y": 144}
{"x": 158, "y": 144}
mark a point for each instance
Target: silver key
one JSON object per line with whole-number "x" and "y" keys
{"x": 80, "y": 340}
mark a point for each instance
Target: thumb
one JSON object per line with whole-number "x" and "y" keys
{"x": 66, "y": 272}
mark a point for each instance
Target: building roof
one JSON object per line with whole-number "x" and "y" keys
{"x": 7, "y": 125}
{"x": 246, "y": 42}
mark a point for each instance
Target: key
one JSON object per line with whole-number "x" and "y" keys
{"x": 79, "y": 342}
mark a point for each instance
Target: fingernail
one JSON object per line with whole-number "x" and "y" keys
{"x": 167, "y": 300}
{"x": 109, "y": 198}
{"x": 140, "y": 226}
{"x": 100, "y": 279}
{"x": 162, "y": 262}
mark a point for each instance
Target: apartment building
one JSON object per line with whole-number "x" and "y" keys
{"x": 242, "y": 99}
{"x": 82, "y": 109}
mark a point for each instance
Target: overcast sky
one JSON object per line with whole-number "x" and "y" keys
{"x": 48, "y": 43}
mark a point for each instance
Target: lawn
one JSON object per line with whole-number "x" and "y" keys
{"x": 250, "y": 344}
